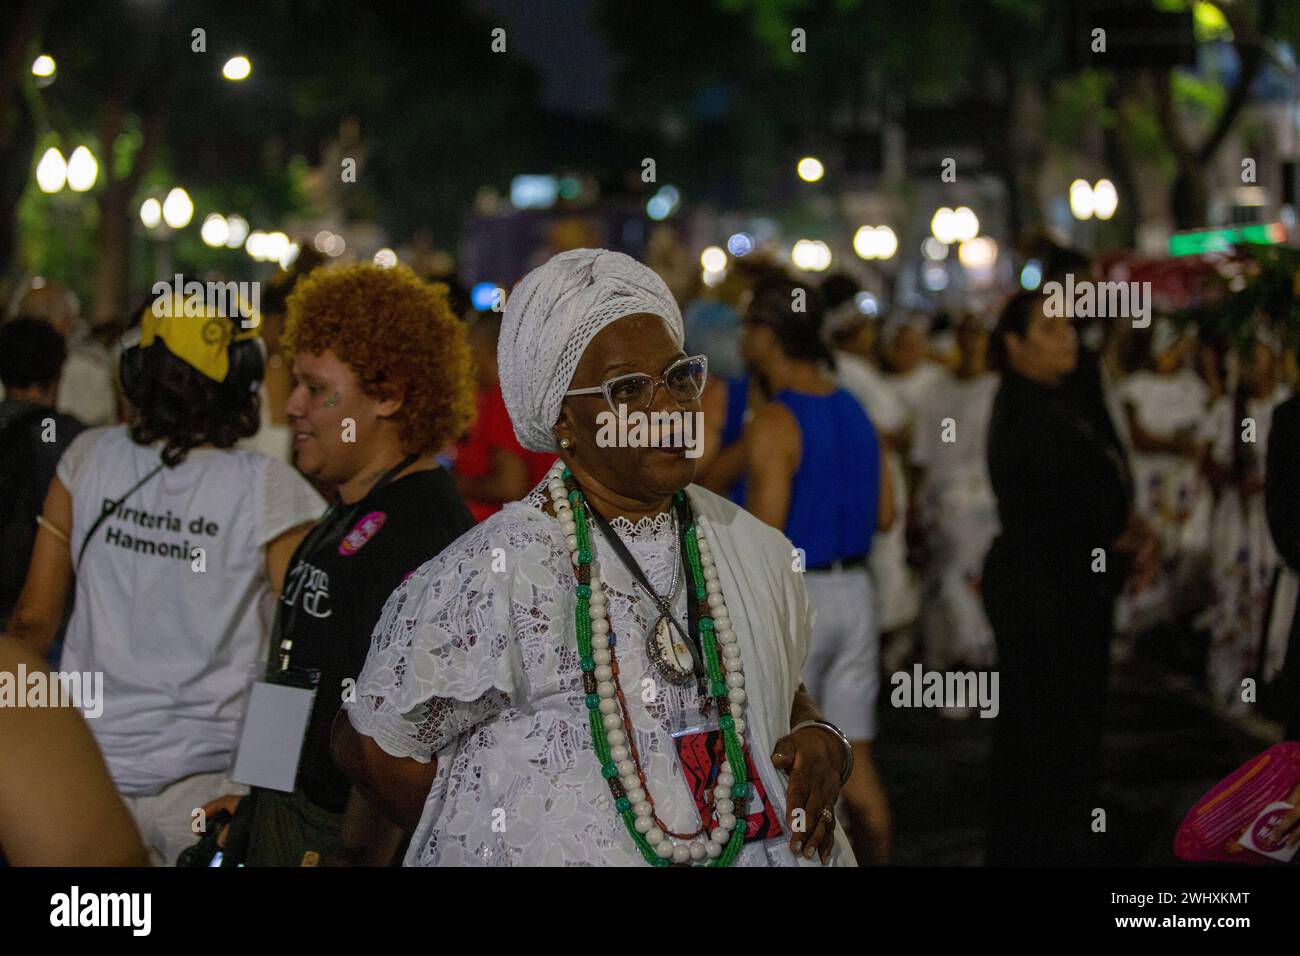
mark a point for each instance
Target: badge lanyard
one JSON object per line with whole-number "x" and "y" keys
{"x": 333, "y": 519}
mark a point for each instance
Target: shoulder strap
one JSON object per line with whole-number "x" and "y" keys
{"x": 112, "y": 507}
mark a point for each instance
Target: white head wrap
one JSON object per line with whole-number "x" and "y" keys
{"x": 551, "y": 317}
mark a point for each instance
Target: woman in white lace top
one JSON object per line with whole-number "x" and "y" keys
{"x": 543, "y": 692}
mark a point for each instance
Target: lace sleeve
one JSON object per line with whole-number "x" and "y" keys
{"x": 442, "y": 657}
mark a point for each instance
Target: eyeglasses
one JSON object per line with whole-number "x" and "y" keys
{"x": 684, "y": 380}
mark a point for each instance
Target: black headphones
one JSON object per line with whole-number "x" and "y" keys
{"x": 139, "y": 368}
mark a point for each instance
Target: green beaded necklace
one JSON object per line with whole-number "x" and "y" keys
{"x": 713, "y": 666}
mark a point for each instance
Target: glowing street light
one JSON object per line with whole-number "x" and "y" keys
{"x": 151, "y": 213}
{"x": 83, "y": 170}
{"x": 979, "y": 252}
{"x": 43, "y": 66}
{"x": 713, "y": 259}
{"x": 385, "y": 258}
{"x": 215, "y": 230}
{"x": 51, "y": 171}
{"x": 875, "y": 242}
{"x": 237, "y": 68}
{"x": 943, "y": 226}
{"x": 1082, "y": 201}
{"x": 178, "y": 208}
{"x": 965, "y": 224}
{"x": 238, "y": 231}
{"x": 811, "y": 255}
{"x": 810, "y": 169}
{"x": 1105, "y": 200}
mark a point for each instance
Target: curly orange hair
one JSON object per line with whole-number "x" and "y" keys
{"x": 401, "y": 338}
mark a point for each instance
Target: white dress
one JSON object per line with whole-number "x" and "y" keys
{"x": 1244, "y": 558}
{"x": 475, "y": 662}
{"x": 897, "y": 596}
{"x": 960, "y": 517}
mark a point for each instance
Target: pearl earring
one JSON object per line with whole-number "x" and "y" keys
{"x": 566, "y": 443}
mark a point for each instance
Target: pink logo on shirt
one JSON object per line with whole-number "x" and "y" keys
{"x": 361, "y": 532}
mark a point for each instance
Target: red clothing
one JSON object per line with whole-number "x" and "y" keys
{"x": 492, "y": 430}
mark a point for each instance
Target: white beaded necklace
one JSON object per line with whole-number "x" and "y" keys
{"x": 725, "y": 819}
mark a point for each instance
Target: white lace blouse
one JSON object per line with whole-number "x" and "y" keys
{"x": 474, "y": 662}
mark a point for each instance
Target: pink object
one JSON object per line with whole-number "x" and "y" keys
{"x": 1212, "y": 829}
{"x": 361, "y": 532}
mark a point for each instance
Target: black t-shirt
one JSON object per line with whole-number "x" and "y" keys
{"x": 333, "y": 597}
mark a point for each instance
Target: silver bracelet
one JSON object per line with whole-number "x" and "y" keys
{"x": 844, "y": 741}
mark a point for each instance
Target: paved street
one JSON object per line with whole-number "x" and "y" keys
{"x": 1164, "y": 747}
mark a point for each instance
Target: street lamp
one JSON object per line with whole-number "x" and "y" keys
{"x": 44, "y": 68}
{"x": 810, "y": 169}
{"x": 151, "y": 213}
{"x": 237, "y": 68}
{"x": 178, "y": 208}
{"x": 83, "y": 170}
{"x": 51, "y": 171}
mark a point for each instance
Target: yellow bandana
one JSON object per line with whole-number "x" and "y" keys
{"x": 201, "y": 341}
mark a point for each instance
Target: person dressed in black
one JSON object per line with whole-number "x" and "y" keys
{"x": 383, "y": 382}
{"x": 1282, "y": 504}
{"x": 33, "y": 436}
{"x": 1068, "y": 540}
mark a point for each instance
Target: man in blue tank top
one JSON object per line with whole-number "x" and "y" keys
{"x": 813, "y": 470}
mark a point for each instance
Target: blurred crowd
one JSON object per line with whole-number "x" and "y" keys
{"x": 820, "y": 415}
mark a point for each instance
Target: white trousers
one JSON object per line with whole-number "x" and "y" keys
{"x": 842, "y": 672}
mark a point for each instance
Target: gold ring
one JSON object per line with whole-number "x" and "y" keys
{"x": 828, "y": 816}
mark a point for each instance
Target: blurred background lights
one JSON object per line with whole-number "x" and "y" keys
{"x": 867, "y": 303}
{"x": 335, "y": 246}
{"x": 811, "y": 255}
{"x": 83, "y": 170}
{"x": 810, "y": 169}
{"x": 1031, "y": 276}
{"x": 289, "y": 256}
{"x": 1081, "y": 200}
{"x": 534, "y": 192}
{"x": 965, "y": 224}
{"x": 741, "y": 244}
{"x": 255, "y": 244}
{"x": 1105, "y": 200}
{"x": 151, "y": 213}
{"x": 51, "y": 171}
{"x": 215, "y": 230}
{"x": 237, "y": 227}
{"x": 237, "y": 68}
{"x": 932, "y": 248}
{"x": 935, "y": 277}
{"x": 942, "y": 225}
{"x": 178, "y": 208}
{"x": 662, "y": 204}
{"x": 713, "y": 259}
{"x": 43, "y": 66}
{"x": 978, "y": 253}
{"x": 385, "y": 258}
{"x": 875, "y": 242}
{"x": 484, "y": 295}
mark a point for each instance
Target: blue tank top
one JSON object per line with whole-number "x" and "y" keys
{"x": 734, "y": 426}
{"x": 835, "y": 491}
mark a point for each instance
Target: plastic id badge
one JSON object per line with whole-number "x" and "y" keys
{"x": 277, "y": 709}
{"x": 701, "y": 754}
